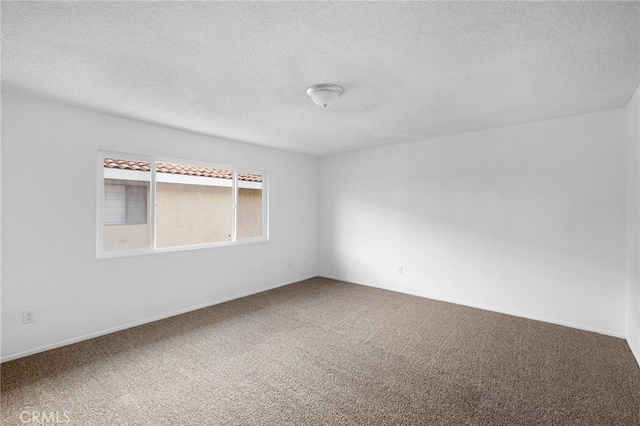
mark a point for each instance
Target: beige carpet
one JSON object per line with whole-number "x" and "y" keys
{"x": 322, "y": 352}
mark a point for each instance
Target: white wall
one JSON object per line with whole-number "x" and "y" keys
{"x": 49, "y": 218}
{"x": 632, "y": 134}
{"x": 526, "y": 220}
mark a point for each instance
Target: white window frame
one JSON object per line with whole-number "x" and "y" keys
{"x": 101, "y": 254}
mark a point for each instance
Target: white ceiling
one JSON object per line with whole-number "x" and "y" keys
{"x": 411, "y": 71}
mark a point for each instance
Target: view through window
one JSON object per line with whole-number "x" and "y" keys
{"x": 149, "y": 205}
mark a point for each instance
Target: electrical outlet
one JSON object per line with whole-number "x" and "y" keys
{"x": 28, "y": 317}
{"x": 400, "y": 270}
{"x": 290, "y": 265}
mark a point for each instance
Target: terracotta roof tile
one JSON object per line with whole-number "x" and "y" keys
{"x": 178, "y": 169}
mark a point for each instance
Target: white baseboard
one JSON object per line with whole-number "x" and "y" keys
{"x": 471, "y": 305}
{"x": 141, "y": 322}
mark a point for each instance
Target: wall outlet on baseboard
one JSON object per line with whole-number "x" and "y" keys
{"x": 28, "y": 316}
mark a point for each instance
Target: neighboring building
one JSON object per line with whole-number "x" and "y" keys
{"x": 194, "y": 205}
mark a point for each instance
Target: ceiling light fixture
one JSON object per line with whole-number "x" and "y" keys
{"x": 325, "y": 94}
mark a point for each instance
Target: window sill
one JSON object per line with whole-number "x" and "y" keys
{"x": 139, "y": 252}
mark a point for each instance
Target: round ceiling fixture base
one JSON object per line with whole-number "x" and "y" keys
{"x": 325, "y": 94}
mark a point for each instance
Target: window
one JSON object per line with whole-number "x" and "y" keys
{"x": 125, "y": 203}
{"x": 149, "y": 204}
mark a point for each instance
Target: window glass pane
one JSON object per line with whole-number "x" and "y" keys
{"x": 126, "y": 222}
{"x": 114, "y": 202}
{"x": 136, "y": 197}
{"x": 194, "y": 205}
{"x": 249, "y": 219}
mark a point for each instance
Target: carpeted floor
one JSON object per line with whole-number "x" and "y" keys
{"x": 322, "y": 352}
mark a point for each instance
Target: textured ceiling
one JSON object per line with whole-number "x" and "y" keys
{"x": 411, "y": 71}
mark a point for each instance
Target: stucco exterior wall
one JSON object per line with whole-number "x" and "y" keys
{"x": 249, "y": 213}
{"x": 125, "y": 237}
{"x": 192, "y": 214}
{"x": 189, "y": 214}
